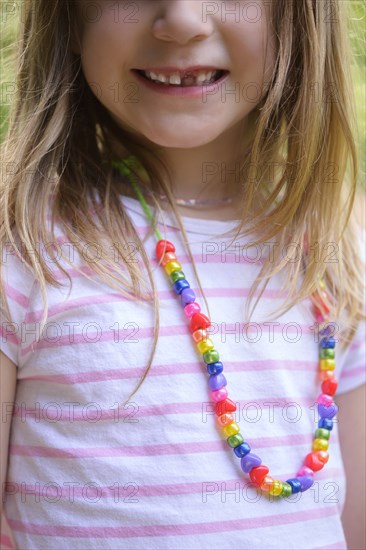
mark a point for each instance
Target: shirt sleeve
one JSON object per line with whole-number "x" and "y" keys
{"x": 17, "y": 281}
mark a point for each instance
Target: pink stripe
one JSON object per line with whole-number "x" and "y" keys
{"x": 173, "y": 489}
{"x": 356, "y": 371}
{"x": 174, "y": 529}
{"x": 10, "y": 337}
{"x": 251, "y": 332}
{"x": 17, "y": 296}
{"x": 163, "y": 370}
{"x": 132, "y": 412}
{"x": 156, "y": 450}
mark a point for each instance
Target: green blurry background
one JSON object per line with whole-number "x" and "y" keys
{"x": 9, "y": 19}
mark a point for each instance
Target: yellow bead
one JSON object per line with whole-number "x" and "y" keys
{"x": 205, "y": 345}
{"x": 327, "y": 364}
{"x": 172, "y": 266}
{"x": 276, "y": 488}
{"x": 231, "y": 429}
{"x": 320, "y": 445}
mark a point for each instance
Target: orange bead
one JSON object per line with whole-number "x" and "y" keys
{"x": 199, "y": 335}
{"x": 267, "y": 483}
{"x": 225, "y": 419}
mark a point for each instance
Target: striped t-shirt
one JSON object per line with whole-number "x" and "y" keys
{"x": 86, "y": 473}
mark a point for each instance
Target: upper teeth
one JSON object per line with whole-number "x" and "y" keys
{"x": 175, "y": 78}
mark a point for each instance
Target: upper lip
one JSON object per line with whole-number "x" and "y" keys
{"x": 182, "y": 71}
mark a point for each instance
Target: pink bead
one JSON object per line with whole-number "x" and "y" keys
{"x": 325, "y": 399}
{"x": 219, "y": 395}
{"x": 305, "y": 471}
{"x": 191, "y": 309}
{"x": 319, "y": 317}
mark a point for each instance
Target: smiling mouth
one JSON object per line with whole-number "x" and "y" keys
{"x": 199, "y": 78}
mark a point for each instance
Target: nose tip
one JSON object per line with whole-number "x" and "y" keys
{"x": 181, "y": 21}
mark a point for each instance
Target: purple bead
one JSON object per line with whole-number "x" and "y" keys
{"x": 305, "y": 482}
{"x": 188, "y": 296}
{"x": 328, "y": 330}
{"x": 250, "y": 461}
{"x": 216, "y": 381}
{"x": 327, "y": 412}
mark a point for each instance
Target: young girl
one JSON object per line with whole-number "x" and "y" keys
{"x": 167, "y": 163}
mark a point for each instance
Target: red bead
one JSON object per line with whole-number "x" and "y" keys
{"x": 258, "y": 474}
{"x": 330, "y": 386}
{"x": 316, "y": 460}
{"x": 162, "y": 247}
{"x": 223, "y": 407}
{"x": 199, "y": 321}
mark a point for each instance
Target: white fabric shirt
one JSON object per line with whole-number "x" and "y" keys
{"x": 158, "y": 473}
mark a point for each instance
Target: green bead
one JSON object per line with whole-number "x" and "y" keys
{"x": 326, "y": 353}
{"x": 322, "y": 433}
{"x": 235, "y": 440}
{"x": 176, "y": 275}
{"x": 211, "y": 356}
{"x": 286, "y": 490}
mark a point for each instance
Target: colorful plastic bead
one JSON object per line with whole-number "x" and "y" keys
{"x": 316, "y": 460}
{"x": 327, "y": 412}
{"x": 295, "y": 484}
{"x": 330, "y": 386}
{"x": 199, "y": 335}
{"x": 162, "y": 247}
{"x": 326, "y": 375}
{"x": 267, "y": 483}
{"x": 235, "y": 440}
{"x": 242, "y": 450}
{"x": 276, "y": 489}
{"x": 211, "y": 356}
{"x": 216, "y": 381}
{"x": 327, "y": 342}
{"x": 175, "y": 276}
{"x": 327, "y": 353}
{"x": 325, "y": 399}
{"x": 306, "y": 482}
{"x": 327, "y": 364}
{"x": 258, "y": 473}
{"x": 191, "y": 309}
{"x": 199, "y": 320}
{"x": 321, "y": 433}
{"x": 226, "y": 406}
{"x": 168, "y": 257}
{"x": 231, "y": 429}
{"x": 286, "y": 490}
{"x": 304, "y": 471}
{"x": 225, "y": 419}
{"x": 205, "y": 345}
{"x": 215, "y": 368}
{"x": 325, "y": 423}
{"x": 250, "y": 461}
{"x": 188, "y": 295}
{"x": 320, "y": 445}
{"x": 174, "y": 265}
{"x": 180, "y": 285}
{"x": 219, "y": 395}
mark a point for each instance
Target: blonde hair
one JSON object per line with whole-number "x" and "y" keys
{"x": 58, "y": 151}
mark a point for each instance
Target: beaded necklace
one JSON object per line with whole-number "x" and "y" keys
{"x": 224, "y": 407}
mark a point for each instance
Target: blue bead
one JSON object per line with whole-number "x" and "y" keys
{"x": 327, "y": 342}
{"x": 180, "y": 285}
{"x": 305, "y": 482}
{"x": 242, "y": 450}
{"x": 216, "y": 381}
{"x": 325, "y": 423}
{"x": 188, "y": 296}
{"x": 295, "y": 484}
{"x": 215, "y": 368}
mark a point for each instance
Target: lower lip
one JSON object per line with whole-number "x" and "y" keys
{"x": 185, "y": 91}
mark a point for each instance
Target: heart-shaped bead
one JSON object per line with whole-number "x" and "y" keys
{"x": 329, "y": 386}
{"x": 258, "y": 474}
{"x": 223, "y": 407}
{"x": 306, "y": 482}
{"x": 316, "y": 460}
{"x": 199, "y": 321}
{"x": 250, "y": 461}
{"x": 327, "y": 412}
{"x": 162, "y": 247}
